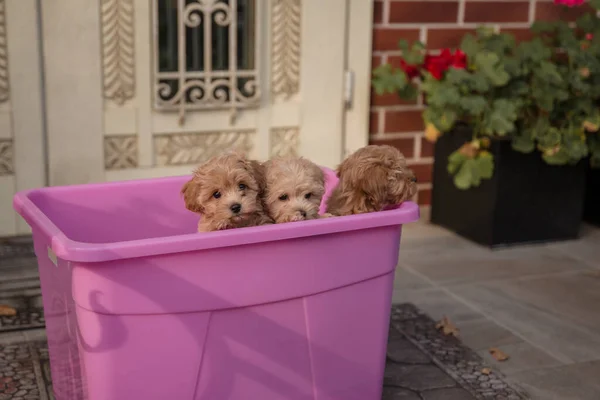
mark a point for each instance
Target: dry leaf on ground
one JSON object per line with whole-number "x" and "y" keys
{"x": 7, "y": 311}
{"x": 486, "y": 371}
{"x": 592, "y": 274}
{"x": 498, "y": 354}
{"x": 447, "y": 327}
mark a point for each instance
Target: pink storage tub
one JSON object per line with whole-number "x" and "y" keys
{"x": 139, "y": 305}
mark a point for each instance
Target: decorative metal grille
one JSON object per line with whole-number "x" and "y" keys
{"x": 206, "y": 54}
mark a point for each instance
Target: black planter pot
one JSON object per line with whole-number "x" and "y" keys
{"x": 526, "y": 201}
{"x": 591, "y": 208}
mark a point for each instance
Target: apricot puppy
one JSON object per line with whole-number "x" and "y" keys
{"x": 294, "y": 189}
{"x": 370, "y": 179}
{"x": 227, "y": 191}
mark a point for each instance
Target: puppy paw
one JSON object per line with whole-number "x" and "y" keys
{"x": 326, "y": 215}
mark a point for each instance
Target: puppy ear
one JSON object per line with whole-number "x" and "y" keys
{"x": 340, "y": 169}
{"x": 319, "y": 177}
{"x": 190, "y": 192}
{"x": 373, "y": 187}
{"x": 258, "y": 171}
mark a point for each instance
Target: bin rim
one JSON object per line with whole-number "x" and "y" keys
{"x": 75, "y": 251}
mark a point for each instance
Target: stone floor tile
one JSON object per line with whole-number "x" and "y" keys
{"x": 460, "y": 269}
{"x": 417, "y": 377}
{"x": 400, "y": 350}
{"x": 586, "y": 248}
{"x": 7, "y": 338}
{"x": 570, "y": 382}
{"x": 447, "y": 394}
{"x": 393, "y": 393}
{"x": 483, "y": 333}
{"x": 522, "y": 356}
{"x": 437, "y": 304}
{"x": 557, "y": 313}
{"x": 405, "y": 279}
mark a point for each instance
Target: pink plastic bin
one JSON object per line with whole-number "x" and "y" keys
{"x": 139, "y": 306}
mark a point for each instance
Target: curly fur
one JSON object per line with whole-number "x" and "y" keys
{"x": 294, "y": 189}
{"x": 371, "y": 179}
{"x": 227, "y": 191}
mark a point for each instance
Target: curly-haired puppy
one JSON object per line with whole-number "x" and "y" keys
{"x": 295, "y": 187}
{"x": 227, "y": 191}
{"x": 371, "y": 179}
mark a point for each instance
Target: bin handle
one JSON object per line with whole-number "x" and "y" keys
{"x": 35, "y": 217}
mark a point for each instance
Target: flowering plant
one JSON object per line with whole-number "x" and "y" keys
{"x": 471, "y": 85}
{"x": 569, "y": 3}
{"x": 542, "y": 94}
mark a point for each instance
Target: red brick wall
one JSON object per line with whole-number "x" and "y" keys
{"x": 439, "y": 24}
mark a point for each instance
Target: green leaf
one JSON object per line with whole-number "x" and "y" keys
{"x": 474, "y": 105}
{"x": 523, "y": 143}
{"x": 560, "y": 158}
{"x": 586, "y": 22}
{"x": 533, "y": 51}
{"x": 543, "y": 26}
{"x": 489, "y": 64}
{"x": 403, "y": 45}
{"x": 447, "y": 119}
{"x": 549, "y": 137}
{"x": 388, "y": 80}
{"x": 455, "y": 161}
{"x": 409, "y": 92}
{"x": 445, "y": 95}
{"x": 470, "y": 172}
{"x": 464, "y": 177}
{"x": 456, "y": 76}
{"x": 548, "y": 72}
{"x": 485, "y": 162}
{"x": 470, "y": 46}
{"x": 486, "y": 32}
{"x": 473, "y": 165}
{"x": 501, "y": 119}
{"x": 595, "y": 4}
{"x": 479, "y": 82}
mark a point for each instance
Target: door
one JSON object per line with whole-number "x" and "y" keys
{"x": 22, "y": 160}
{"x": 139, "y": 88}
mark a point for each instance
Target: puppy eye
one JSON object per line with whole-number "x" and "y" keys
{"x": 308, "y": 196}
{"x": 283, "y": 197}
{"x": 216, "y": 195}
{"x": 242, "y": 186}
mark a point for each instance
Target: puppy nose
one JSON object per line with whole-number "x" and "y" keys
{"x": 236, "y": 207}
{"x": 414, "y": 179}
{"x": 303, "y": 213}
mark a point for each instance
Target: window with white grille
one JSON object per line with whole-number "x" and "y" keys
{"x": 205, "y": 54}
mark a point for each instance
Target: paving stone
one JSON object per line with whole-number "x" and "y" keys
{"x": 447, "y": 394}
{"x": 401, "y": 350}
{"x": 392, "y": 393}
{"x": 417, "y": 377}
{"x": 481, "y": 334}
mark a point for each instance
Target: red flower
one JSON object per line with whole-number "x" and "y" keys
{"x": 459, "y": 60}
{"x": 437, "y": 65}
{"x": 411, "y": 70}
{"x": 569, "y": 3}
{"x": 589, "y": 36}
